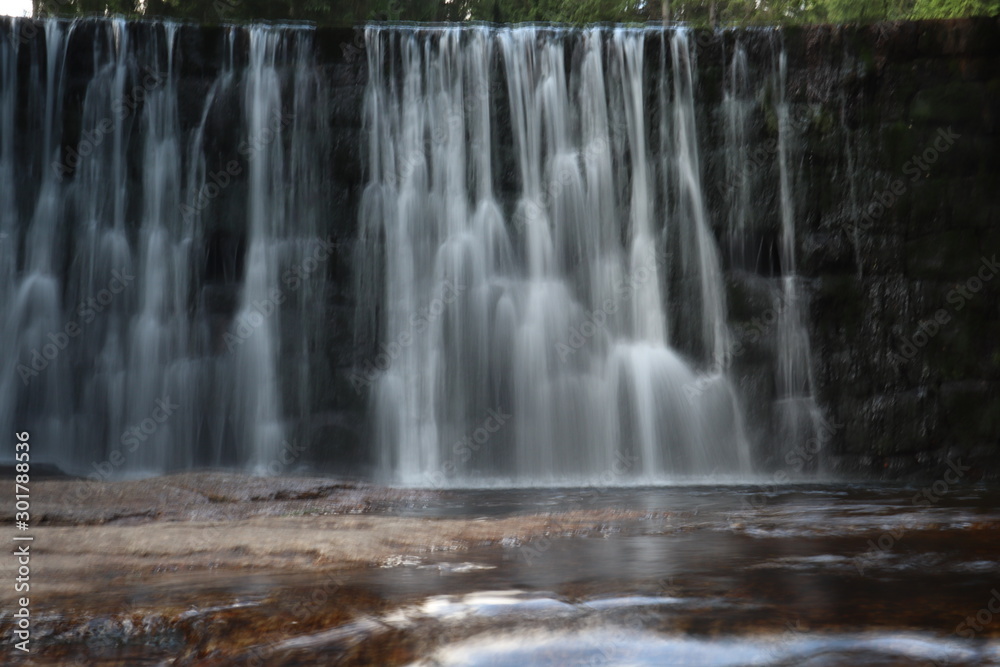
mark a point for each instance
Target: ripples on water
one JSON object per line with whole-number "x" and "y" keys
{"x": 718, "y": 582}
{"x": 697, "y": 579}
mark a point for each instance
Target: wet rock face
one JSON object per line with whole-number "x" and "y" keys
{"x": 900, "y": 244}
{"x": 897, "y": 228}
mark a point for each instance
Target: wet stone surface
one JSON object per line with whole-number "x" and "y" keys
{"x": 213, "y": 569}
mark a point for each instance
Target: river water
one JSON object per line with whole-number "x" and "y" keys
{"x": 846, "y": 574}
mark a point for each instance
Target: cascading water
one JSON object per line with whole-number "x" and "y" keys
{"x": 33, "y": 290}
{"x": 537, "y": 271}
{"x": 737, "y": 188}
{"x": 140, "y": 336}
{"x": 699, "y": 255}
{"x": 798, "y": 414}
{"x": 527, "y": 338}
{"x": 759, "y": 187}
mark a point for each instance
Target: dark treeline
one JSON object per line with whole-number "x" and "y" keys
{"x": 697, "y": 12}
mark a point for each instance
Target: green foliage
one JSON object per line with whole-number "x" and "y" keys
{"x": 696, "y": 12}
{"x": 926, "y": 9}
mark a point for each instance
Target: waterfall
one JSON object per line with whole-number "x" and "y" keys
{"x": 737, "y": 187}
{"x": 798, "y": 414}
{"x": 525, "y": 336}
{"x": 33, "y": 316}
{"x": 698, "y": 251}
{"x": 160, "y": 268}
{"x": 544, "y": 258}
{"x": 759, "y": 187}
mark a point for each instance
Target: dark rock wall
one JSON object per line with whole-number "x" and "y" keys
{"x": 901, "y": 261}
{"x": 341, "y": 431}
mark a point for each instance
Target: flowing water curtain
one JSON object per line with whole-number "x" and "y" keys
{"x": 258, "y": 404}
{"x": 559, "y": 315}
{"x": 699, "y": 253}
{"x": 94, "y": 170}
{"x": 798, "y": 415}
{"x": 128, "y": 362}
{"x": 736, "y": 187}
{"x": 270, "y": 369}
{"x": 9, "y": 217}
{"x": 33, "y": 389}
{"x": 523, "y": 238}
{"x": 9, "y": 49}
